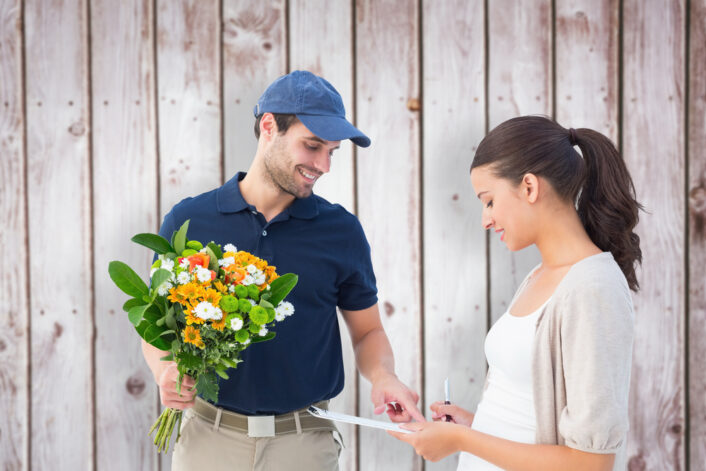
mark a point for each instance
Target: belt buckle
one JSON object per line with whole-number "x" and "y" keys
{"x": 261, "y": 426}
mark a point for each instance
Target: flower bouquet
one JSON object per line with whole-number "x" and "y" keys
{"x": 204, "y": 305}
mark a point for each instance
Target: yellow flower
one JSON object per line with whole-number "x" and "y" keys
{"x": 219, "y": 325}
{"x": 212, "y": 296}
{"x": 190, "y": 317}
{"x": 192, "y": 335}
{"x": 220, "y": 286}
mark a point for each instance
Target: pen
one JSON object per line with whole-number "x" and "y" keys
{"x": 447, "y": 397}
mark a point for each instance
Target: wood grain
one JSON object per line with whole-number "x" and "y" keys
{"x": 254, "y": 54}
{"x": 59, "y": 212}
{"x": 189, "y": 89}
{"x": 653, "y": 147}
{"x": 14, "y": 315}
{"x": 697, "y": 234}
{"x": 587, "y": 65}
{"x": 519, "y": 83}
{"x": 125, "y": 203}
{"x": 455, "y": 308}
{"x": 387, "y": 83}
{"x": 323, "y": 44}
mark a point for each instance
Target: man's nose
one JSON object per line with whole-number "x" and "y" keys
{"x": 323, "y": 162}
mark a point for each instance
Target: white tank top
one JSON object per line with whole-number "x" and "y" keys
{"x": 506, "y": 409}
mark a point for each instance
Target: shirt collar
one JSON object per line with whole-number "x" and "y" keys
{"x": 230, "y": 200}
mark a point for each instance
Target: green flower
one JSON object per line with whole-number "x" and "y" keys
{"x": 241, "y": 291}
{"x": 242, "y": 335}
{"x": 194, "y": 244}
{"x": 254, "y": 328}
{"x": 258, "y": 315}
{"x": 229, "y": 303}
{"x": 244, "y": 305}
{"x": 254, "y": 292}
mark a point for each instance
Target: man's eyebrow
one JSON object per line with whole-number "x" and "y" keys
{"x": 319, "y": 140}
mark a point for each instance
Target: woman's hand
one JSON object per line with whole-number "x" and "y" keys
{"x": 458, "y": 415}
{"x": 432, "y": 440}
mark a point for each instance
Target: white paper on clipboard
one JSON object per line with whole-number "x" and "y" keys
{"x": 351, "y": 419}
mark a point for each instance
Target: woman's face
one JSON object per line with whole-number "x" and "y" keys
{"x": 506, "y": 208}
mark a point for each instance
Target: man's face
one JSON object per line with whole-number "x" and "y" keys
{"x": 296, "y": 159}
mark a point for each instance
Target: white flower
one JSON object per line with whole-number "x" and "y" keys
{"x": 154, "y": 269}
{"x": 184, "y": 263}
{"x": 224, "y": 262}
{"x": 231, "y": 288}
{"x": 247, "y": 341}
{"x": 285, "y": 308}
{"x": 252, "y": 302}
{"x": 260, "y": 279}
{"x": 167, "y": 264}
{"x": 248, "y": 280}
{"x": 252, "y": 269}
{"x": 263, "y": 331}
{"x": 279, "y": 317}
{"x": 205, "y": 310}
{"x": 203, "y": 250}
{"x": 164, "y": 288}
{"x": 203, "y": 274}
{"x": 183, "y": 278}
{"x": 236, "y": 323}
{"x": 229, "y": 248}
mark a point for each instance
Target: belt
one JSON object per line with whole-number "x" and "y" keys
{"x": 263, "y": 426}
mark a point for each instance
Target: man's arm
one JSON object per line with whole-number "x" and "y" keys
{"x": 376, "y": 363}
{"x": 165, "y": 374}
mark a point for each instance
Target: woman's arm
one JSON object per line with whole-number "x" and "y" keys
{"x": 436, "y": 440}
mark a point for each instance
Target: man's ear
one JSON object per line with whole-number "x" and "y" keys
{"x": 268, "y": 126}
{"x": 530, "y": 187}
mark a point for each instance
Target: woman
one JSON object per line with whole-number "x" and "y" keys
{"x": 556, "y": 395}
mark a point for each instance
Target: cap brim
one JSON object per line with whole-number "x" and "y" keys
{"x": 334, "y": 128}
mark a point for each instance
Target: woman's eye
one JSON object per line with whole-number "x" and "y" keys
{"x": 489, "y": 204}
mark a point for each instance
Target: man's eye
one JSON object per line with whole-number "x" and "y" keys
{"x": 312, "y": 147}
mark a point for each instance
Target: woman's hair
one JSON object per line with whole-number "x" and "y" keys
{"x": 598, "y": 183}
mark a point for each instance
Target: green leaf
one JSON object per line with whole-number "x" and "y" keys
{"x": 180, "y": 237}
{"x": 221, "y": 372}
{"x": 215, "y": 248}
{"x": 153, "y": 241}
{"x": 130, "y": 303}
{"x": 168, "y": 357}
{"x": 189, "y": 361}
{"x": 136, "y": 314}
{"x": 207, "y": 386}
{"x": 268, "y": 336}
{"x": 266, "y": 304}
{"x": 170, "y": 320}
{"x": 127, "y": 280}
{"x": 167, "y": 332}
{"x": 151, "y": 334}
{"x": 159, "y": 277}
{"x": 280, "y": 288}
{"x": 212, "y": 259}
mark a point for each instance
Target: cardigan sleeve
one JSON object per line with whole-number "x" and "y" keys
{"x": 597, "y": 330}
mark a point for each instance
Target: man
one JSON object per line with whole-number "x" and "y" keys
{"x": 271, "y": 212}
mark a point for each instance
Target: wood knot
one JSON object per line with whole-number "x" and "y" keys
{"x": 697, "y": 200}
{"x": 3, "y": 345}
{"x": 58, "y": 330}
{"x": 637, "y": 463}
{"x": 135, "y": 385}
{"x": 77, "y": 129}
{"x": 389, "y": 309}
{"x": 413, "y": 104}
{"x": 455, "y": 197}
{"x": 676, "y": 429}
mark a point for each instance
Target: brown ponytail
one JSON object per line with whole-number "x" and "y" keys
{"x": 598, "y": 183}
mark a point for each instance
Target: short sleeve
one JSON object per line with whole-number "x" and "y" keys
{"x": 596, "y": 345}
{"x": 358, "y": 290}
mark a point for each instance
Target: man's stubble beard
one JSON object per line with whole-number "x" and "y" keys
{"x": 279, "y": 170}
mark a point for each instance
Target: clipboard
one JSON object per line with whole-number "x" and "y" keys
{"x": 351, "y": 419}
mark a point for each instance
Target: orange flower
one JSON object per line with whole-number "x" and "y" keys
{"x": 212, "y": 296}
{"x": 219, "y": 325}
{"x": 200, "y": 259}
{"x": 192, "y": 335}
{"x": 176, "y": 295}
{"x": 220, "y": 286}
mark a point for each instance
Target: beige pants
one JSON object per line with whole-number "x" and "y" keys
{"x": 203, "y": 448}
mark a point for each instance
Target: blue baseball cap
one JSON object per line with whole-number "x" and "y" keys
{"x": 315, "y": 103}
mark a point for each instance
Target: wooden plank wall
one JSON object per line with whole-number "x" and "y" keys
{"x": 111, "y": 112}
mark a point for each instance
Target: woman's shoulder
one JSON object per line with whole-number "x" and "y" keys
{"x": 599, "y": 271}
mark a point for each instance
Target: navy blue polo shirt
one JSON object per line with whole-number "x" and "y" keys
{"x": 322, "y": 243}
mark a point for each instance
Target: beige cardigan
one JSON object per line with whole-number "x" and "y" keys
{"x": 581, "y": 360}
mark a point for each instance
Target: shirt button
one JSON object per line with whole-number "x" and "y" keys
{"x": 264, "y": 233}
{"x": 253, "y": 211}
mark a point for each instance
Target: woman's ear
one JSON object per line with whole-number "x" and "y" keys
{"x": 530, "y": 187}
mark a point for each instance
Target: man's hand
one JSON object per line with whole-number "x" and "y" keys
{"x": 387, "y": 390}
{"x": 168, "y": 392}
